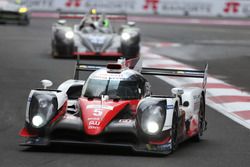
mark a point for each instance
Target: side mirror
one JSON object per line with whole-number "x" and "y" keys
{"x": 61, "y": 22}
{"x": 185, "y": 104}
{"x": 177, "y": 91}
{"x": 46, "y": 83}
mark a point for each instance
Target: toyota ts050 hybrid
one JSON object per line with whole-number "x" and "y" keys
{"x": 96, "y": 36}
{"x": 115, "y": 107}
{"x": 11, "y": 11}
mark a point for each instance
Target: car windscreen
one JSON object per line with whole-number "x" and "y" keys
{"x": 115, "y": 89}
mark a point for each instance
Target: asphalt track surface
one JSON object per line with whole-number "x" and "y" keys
{"x": 25, "y": 60}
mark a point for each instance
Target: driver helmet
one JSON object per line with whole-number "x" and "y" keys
{"x": 106, "y": 23}
{"x": 18, "y": 1}
{"x": 93, "y": 11}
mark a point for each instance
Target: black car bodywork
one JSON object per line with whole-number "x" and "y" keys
{"x": 96, "y": 41}
{"x": 13, "y": 12}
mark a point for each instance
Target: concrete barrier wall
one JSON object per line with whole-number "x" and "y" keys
{"x": 206, "y": 8}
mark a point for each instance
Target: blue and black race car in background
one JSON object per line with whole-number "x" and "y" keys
{"x": 11, "y": 11}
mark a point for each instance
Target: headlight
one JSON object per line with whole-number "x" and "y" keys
{"x": 38, "y": 121}
{"x": 43, "y": 107}
{"x": 69, "y": 35}
{"x": 152, "y": 120}
{"x": 23, "y": 10}
{"x": 126, "y": 36}
{"x": 152, "y": 127}
{"x": 151, "y": 115}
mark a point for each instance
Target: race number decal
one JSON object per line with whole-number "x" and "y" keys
{"x": 98, "y": 112}
{"x": 97, "y": 40}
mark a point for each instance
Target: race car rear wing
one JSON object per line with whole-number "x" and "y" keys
{"x": 178, "y": 73}
{"x": 173, "y": 72}
{"x": 86, "y": 67}
{"x": 110, "y": 16}
{"x": 149, "y": 71}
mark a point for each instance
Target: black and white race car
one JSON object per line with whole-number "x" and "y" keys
{"x": 11, "y": 11}
{"x": 95, "y": 36}
{"x": 115, "y": 107}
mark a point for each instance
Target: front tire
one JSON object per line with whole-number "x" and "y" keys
{"x": 174, "y": 130}
{"x": 25, "y": 21}
{"x": 54, "y": 53}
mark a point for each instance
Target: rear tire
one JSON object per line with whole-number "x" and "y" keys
{"x": 201, "y": 119}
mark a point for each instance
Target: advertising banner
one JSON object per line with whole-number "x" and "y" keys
{"x": 207, "y": 8}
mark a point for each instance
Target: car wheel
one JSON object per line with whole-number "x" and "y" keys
{"x": 53, "y": 50}
{"x": 201, "y": 120}
{"x": 25, "y": 21}
{"x": 174, "y": 130}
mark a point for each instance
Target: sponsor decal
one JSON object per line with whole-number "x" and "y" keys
{"x": 169, "y": 107}
{"x": 153, "y": 4}
{"x": 39, "y": 3}
{"x": 93, "y": 119}
{"x": 92, "y": 127}
{"x": 232, "y": 7}
{"x": 109, "y": 76}
{"x": 100, "y": 107}
{"x": 186, "y": 8}
{"x": 94, "y": 123}
{"x": 97, "y": 40}
{"x": 73, "y": 3}
{"x": 125, "y": 121}
{"x": 111, "y": 5}
{"x": 164, "y": 147}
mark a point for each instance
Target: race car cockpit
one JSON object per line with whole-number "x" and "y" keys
{"x": 113, "y": 88}
{"x": 95, "y": 23}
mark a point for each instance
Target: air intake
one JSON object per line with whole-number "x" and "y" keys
{"x": 114, "y": 66}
